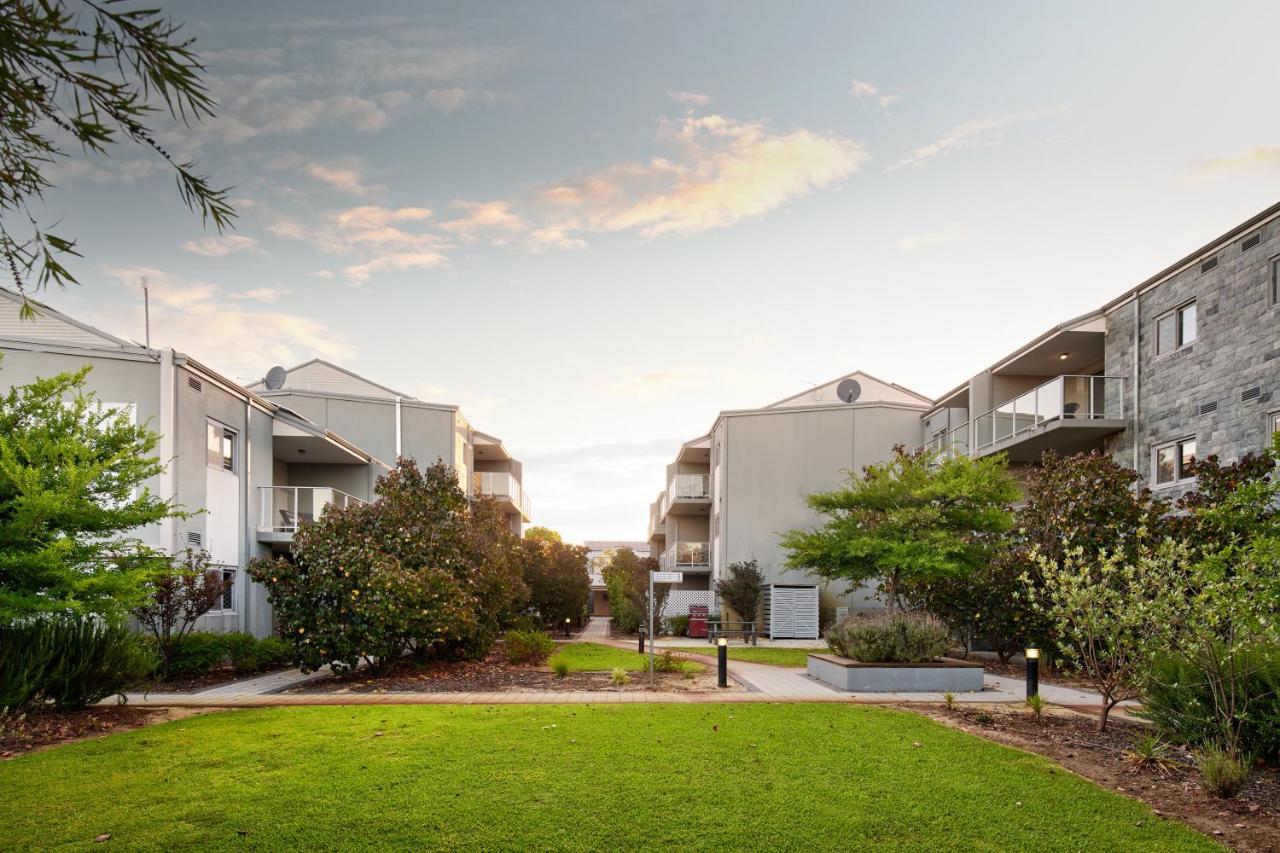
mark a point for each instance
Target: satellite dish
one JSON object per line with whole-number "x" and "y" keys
{"x": 848, "y": 390}
{"x": 275, "y": 378}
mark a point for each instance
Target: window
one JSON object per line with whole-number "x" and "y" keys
{"x": 228, "y": 587}
{"x": 1173, "y": 461}
{"x": 1275, "y": 423}
{"x": 221, "y": 446}
{"x": 1176, "y": 329}
{"x": 1275, "y": 281}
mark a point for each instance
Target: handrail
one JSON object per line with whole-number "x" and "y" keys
{"x": 283, "y": 509}
{"x": 1066, "y": 397}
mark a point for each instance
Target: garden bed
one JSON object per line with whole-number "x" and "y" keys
{"x": 937, "y": 676}
{"x": 495, "y": 674}
{"x": 20, "y": 734}
{"x": 205, "y": 681}
{"x": 1249, "y": 822}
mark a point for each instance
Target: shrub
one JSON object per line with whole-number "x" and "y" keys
{"x": 884, "y": 637}
{"x": 527, "y": 622}
{"x": 560, "y": 667}
{"x": 1222, "y": 774}
{"x": 678, "y": 625}
{"x": 742, "y": 589}
{"x": 274, "y": 653}
{"x": 1149, "y": 752}
{"x": 668, "y": 661}
{"x": 196, "y": 654}
{"x": 1178, "y": 700}
{"x": 1036, "y": 703}
{"x": 528, "y": 646}
{"x": 619, "y": 676}
{"x": 71, "y": 661}
{"x": 177, "y": 595}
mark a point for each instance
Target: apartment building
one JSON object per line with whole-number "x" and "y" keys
{"x": 252, "y": 469}
{"x": 1183, "y": 365}
{"x": 732, "y": 492}
{"x": 393, "y": 424}
{"x": 599, "y": 554}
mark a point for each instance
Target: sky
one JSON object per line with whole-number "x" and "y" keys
{"x": 594, "y": 226}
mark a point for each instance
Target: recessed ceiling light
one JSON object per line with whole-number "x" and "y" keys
{"x": 1063, "y": 357}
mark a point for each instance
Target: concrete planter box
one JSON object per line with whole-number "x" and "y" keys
{"x": 940, "y": 676}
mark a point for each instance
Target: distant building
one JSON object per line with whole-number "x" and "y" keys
{"x": 599, "y": 553}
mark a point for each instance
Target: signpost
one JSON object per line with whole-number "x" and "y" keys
{"x": 658, "y": 577}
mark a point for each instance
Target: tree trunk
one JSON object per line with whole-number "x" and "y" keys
{"x": 1107, "y": 705}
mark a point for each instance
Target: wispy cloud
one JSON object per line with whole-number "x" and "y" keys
{"x": 347, "y": 178}
{"x": 380, "y": 239}
{"x": 864, "y": 91}
{"x": 690, "y": 99}
{"x": 950, "y": 234}
{"x": 222, "y": 245}
{"x": 1255, "y": 159}
{"x": 243, "y": 339}
{"x": 262, "y": 294}
{"x": 984, "y": 131}
{"x": 494, "y": 219}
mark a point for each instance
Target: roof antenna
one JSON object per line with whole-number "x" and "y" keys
{"x": 146, "y": 310}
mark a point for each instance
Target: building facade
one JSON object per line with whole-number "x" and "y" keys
{"x": 599, "y": 554}
{"x": 249, "y": 469}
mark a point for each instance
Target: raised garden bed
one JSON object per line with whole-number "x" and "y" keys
{"x": 941, "y": 676}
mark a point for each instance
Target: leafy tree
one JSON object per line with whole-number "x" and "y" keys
{"x": 913, "y": 518}
{"x": 556, "y": 577}
{"x": 627, "y": 581}
{"x": 72, "y": 495}
{"x": 542, "y": 534}
{"x": 1107, "y": 610}
{"x": 742, "y": 589}
{"x": 418, "y": 571}
{"x": 982, "y": 605}
{"x": 1230, "y": 504}
{"x": 90, "y": 74}
{"x": 177, "y": 596}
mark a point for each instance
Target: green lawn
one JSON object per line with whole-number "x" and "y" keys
{"x": 760, "y": 654}
{"x": 593, "y": 657}
{"x": 563, "y": 777}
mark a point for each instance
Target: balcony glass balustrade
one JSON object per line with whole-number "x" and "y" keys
{"x": 285, "y": 508}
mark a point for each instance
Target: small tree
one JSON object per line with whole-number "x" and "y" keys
{"x": 742, "y": 589}
{"x": 538, "y": 533}
{"x": 985, "y": 604}
{"x": 627, "y": 581}
{"x": 556, "y": 577}
{"x": 913, "y": 518}
{"x": 178, "y": 595}
{"x": 1106, "y": 611}
{"x": 72, "y": 496}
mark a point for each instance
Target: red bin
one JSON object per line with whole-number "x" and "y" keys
{"x": 698, "y": 621}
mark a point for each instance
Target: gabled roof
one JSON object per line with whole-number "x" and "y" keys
{"x": 49, "y": 325}
{"x": 873, "y": 391}
{"x": 326, "y": 377}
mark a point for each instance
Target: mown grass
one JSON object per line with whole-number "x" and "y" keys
{"x": 593, "y": 657}
{"x": 772, "y": 655}
{"x": 562, "y": 777}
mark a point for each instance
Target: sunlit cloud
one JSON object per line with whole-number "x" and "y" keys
{"x": 348, "y": 179}
{"x": 690, "y": 99}
{"x": 1255, "y": 159}
{"x": 238, "y": 338}
{"x": 380, "y": 239}
{"x": 221, "y": 245}
{"x": 863, "y": 91}
{"x": 978, "y": 132}
{"x": 494, "y": 219}
{"x": 262, "y": 294}
{"x": 950, "y": 234}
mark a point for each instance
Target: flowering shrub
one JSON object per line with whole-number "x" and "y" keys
{"x": 419, "y": 571}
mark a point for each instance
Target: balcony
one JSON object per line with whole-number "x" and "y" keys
{"x": 686, "y": 556}
{"x": 1066, "y": 414}
{"x": 657, "y": 524}
{"x": 948, "y": 445}
{"x": 688, "y": 494}
{"x": 505, "y": 489}
{"x": 283, "y": 509}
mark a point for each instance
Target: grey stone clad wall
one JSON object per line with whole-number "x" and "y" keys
{"x": 1237, "y": 347}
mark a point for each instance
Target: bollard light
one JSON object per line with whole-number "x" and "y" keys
{"x": 566, "y": 626}
{"x": 722, "y": 662}
{"x": 1033, "y": 671}
{"x": 641, "y": 639}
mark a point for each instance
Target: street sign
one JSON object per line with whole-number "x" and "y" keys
{"x": 668, "y": 577}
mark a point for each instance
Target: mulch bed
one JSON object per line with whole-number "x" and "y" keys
{"x": 195, "y": 683}
{"x": 1249, "y": 822}
{"x": 23, "y": 733}
{"x": 495, "y": 675}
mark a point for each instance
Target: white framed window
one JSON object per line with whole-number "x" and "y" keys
{"x": 1172, "y": 461}
{"x": 220, "y": 446}
{"x": 1275, "y": 423}
{"x": 1176, "y": 329}
{"x": 228, "y": 602}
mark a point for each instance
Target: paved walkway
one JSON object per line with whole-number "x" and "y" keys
{"x": 597, "y": 629}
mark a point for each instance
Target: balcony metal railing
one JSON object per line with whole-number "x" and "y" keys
{"x": 952, "y": 443}
{"x": 657, "y": 525}
{"x": 1061, "y": 398}
{"x": 501, "y": 484}
{"x": 285, "y": 508}
{"x": 685, "y": 487}
{"x": 686, "y": 555}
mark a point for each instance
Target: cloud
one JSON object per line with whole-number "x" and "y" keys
{"x": 262, "y": 294}
{"x": 978, "y": 132}
{"x": 345, "y": 178}
{"x": 690, "y": 99}
{"x": 651, "y": 383}
{"x": 494, "y": 218}
{"x": 222, "y": 245}
{"x": 241, "y": 339}
{"x": 379, "y": 238}
{"x": 863, "y": 91}
{"x": 949, "y": 234}
{"x": 1255, "y": 159}
{"x": 395, "y": 262}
